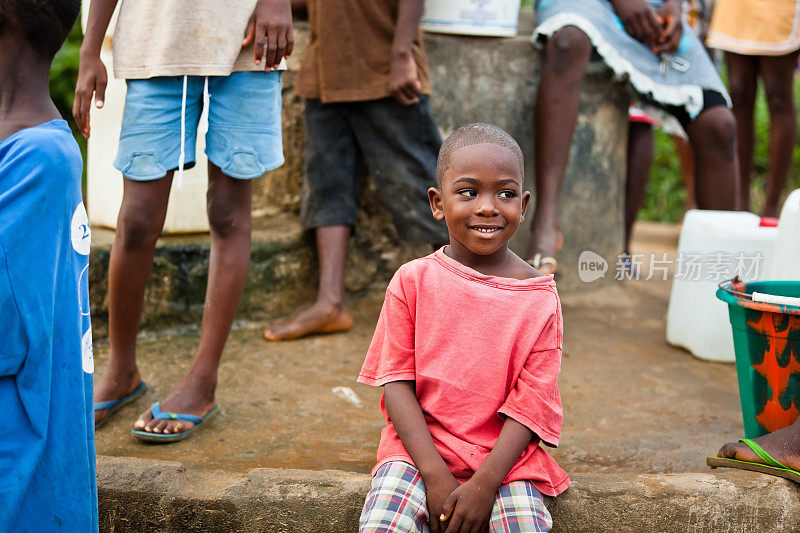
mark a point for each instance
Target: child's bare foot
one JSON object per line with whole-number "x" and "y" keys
{"x": 192, "y": 396}
{"x": 113, "y": 386}
{"x": 545, "y": 241}
{"x": 322, "y": 317}
{"x": 782, "y": 445}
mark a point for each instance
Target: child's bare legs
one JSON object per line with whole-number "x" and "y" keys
{"x": 329, "y": 313}
{"x": 566, "y": 57}
{"x": 640, "y": 160}
{"x": 783, "y": 445}
{"x": 140, "y": 221}
{"x": 777, "y": 72}
{"x": 713, "y": 138}
{"x": 686, "y": 158}
{"x": 229, "y": 201}
{"x": 742, "y": 78}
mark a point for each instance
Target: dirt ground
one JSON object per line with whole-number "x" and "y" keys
{"x": 632, "y": 403}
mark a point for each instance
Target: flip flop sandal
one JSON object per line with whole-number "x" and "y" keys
{"x": 771, "y": 466}
{"x": 115, "y": 405}
{"x": 538, "y": 261}
{"x": 155, "y": 410}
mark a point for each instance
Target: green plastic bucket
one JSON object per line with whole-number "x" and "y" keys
{"x": 766, "y": 339}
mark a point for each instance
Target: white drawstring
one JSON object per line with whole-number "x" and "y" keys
{"x": 206, "y": 103}
{"x": 182, "y": 157}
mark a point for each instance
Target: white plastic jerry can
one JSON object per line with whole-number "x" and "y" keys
{"x": 714, "y": 246}
{"x": 786, "y": 263}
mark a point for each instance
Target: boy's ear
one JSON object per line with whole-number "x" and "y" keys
{"x": 435, "y": 199}
{"x": 526, "y": 198}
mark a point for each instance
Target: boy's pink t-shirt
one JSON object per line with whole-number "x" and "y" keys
{"x": 479, "y": 348}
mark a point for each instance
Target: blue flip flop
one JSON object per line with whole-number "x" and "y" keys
{"x": 115, "y": 405}
{"x": 155, "y": 409}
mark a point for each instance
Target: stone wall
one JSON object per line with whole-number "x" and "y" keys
{"x": 490, "y": 80}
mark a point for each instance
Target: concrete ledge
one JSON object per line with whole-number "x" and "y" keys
{"x": 141, "y": 495}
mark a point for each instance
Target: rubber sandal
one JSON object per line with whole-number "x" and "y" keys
{"x": 115, "y": 405}
{"x": 155, "y": 410}
{"x": 537, "y": 261}
{"x": 772, "y": 467}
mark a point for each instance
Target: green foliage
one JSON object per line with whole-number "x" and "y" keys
{"x": 64, "y": 73}
{"x": 665, "y": 193}
{"x": 63, "y": 76}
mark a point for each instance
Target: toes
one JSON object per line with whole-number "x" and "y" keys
{"x": 143, "y": 420}
{"x": 737, "y": 450}
{"x": 728, "y": 450}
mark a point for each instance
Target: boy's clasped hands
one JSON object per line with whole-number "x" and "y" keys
{"x": 466, "y": 508}
{"x": 658, "y": 29}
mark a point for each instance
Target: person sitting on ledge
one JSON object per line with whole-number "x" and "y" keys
{"x": 366, "y": 99}
{"x": 646, "y": 43}
{"x": 468, "y": 350}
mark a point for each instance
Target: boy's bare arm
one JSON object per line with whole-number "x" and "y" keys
{"x": 404, "y": 81}
{"x": 469, "y": 506}
{"x": 409, "y": 422}
{"x": 271, "y": 28}
{"x": 92, "y": 75}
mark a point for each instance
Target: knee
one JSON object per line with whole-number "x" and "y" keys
{"x": 569, "y": 48}
{"x": 226, "y": 219}
{"x": 779, "y": 98}
{"x": 138, "y": 228}
{"x": 741, "y": 90}
{"x": 717, "y": 127}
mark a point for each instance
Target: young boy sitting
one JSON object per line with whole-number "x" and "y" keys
{"x": 468, "y": 350}
{"x": 47, "y": 443}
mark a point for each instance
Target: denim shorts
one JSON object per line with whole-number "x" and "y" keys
{"x": 398, "y": 145}
{"x": 244, "y": 124}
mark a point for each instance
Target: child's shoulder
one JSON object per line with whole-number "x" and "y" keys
{"x": 521, "y": 269}
{"x": 48, "y": 147}
{"x": 411, "y": 272}
{"x": 52, "y": 138}
{"x": 416, "y": 266}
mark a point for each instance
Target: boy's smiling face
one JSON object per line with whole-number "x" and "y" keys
{"x": 480, "y": 197}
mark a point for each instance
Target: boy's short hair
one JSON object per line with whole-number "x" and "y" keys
{"x": 46, "y": 23}
{"x": 475, "y": 133}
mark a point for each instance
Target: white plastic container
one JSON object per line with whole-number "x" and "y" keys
{"x": 497, "y": 18}
{"x": 187, "y": 208}
{"x": 786, "y": 265}
{"x": 696, "y": 319}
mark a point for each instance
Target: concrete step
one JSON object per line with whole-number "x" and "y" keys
{"x": 145, "y": 495}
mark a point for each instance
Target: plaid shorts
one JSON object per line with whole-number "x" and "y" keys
{"x": 396, "y": 502}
